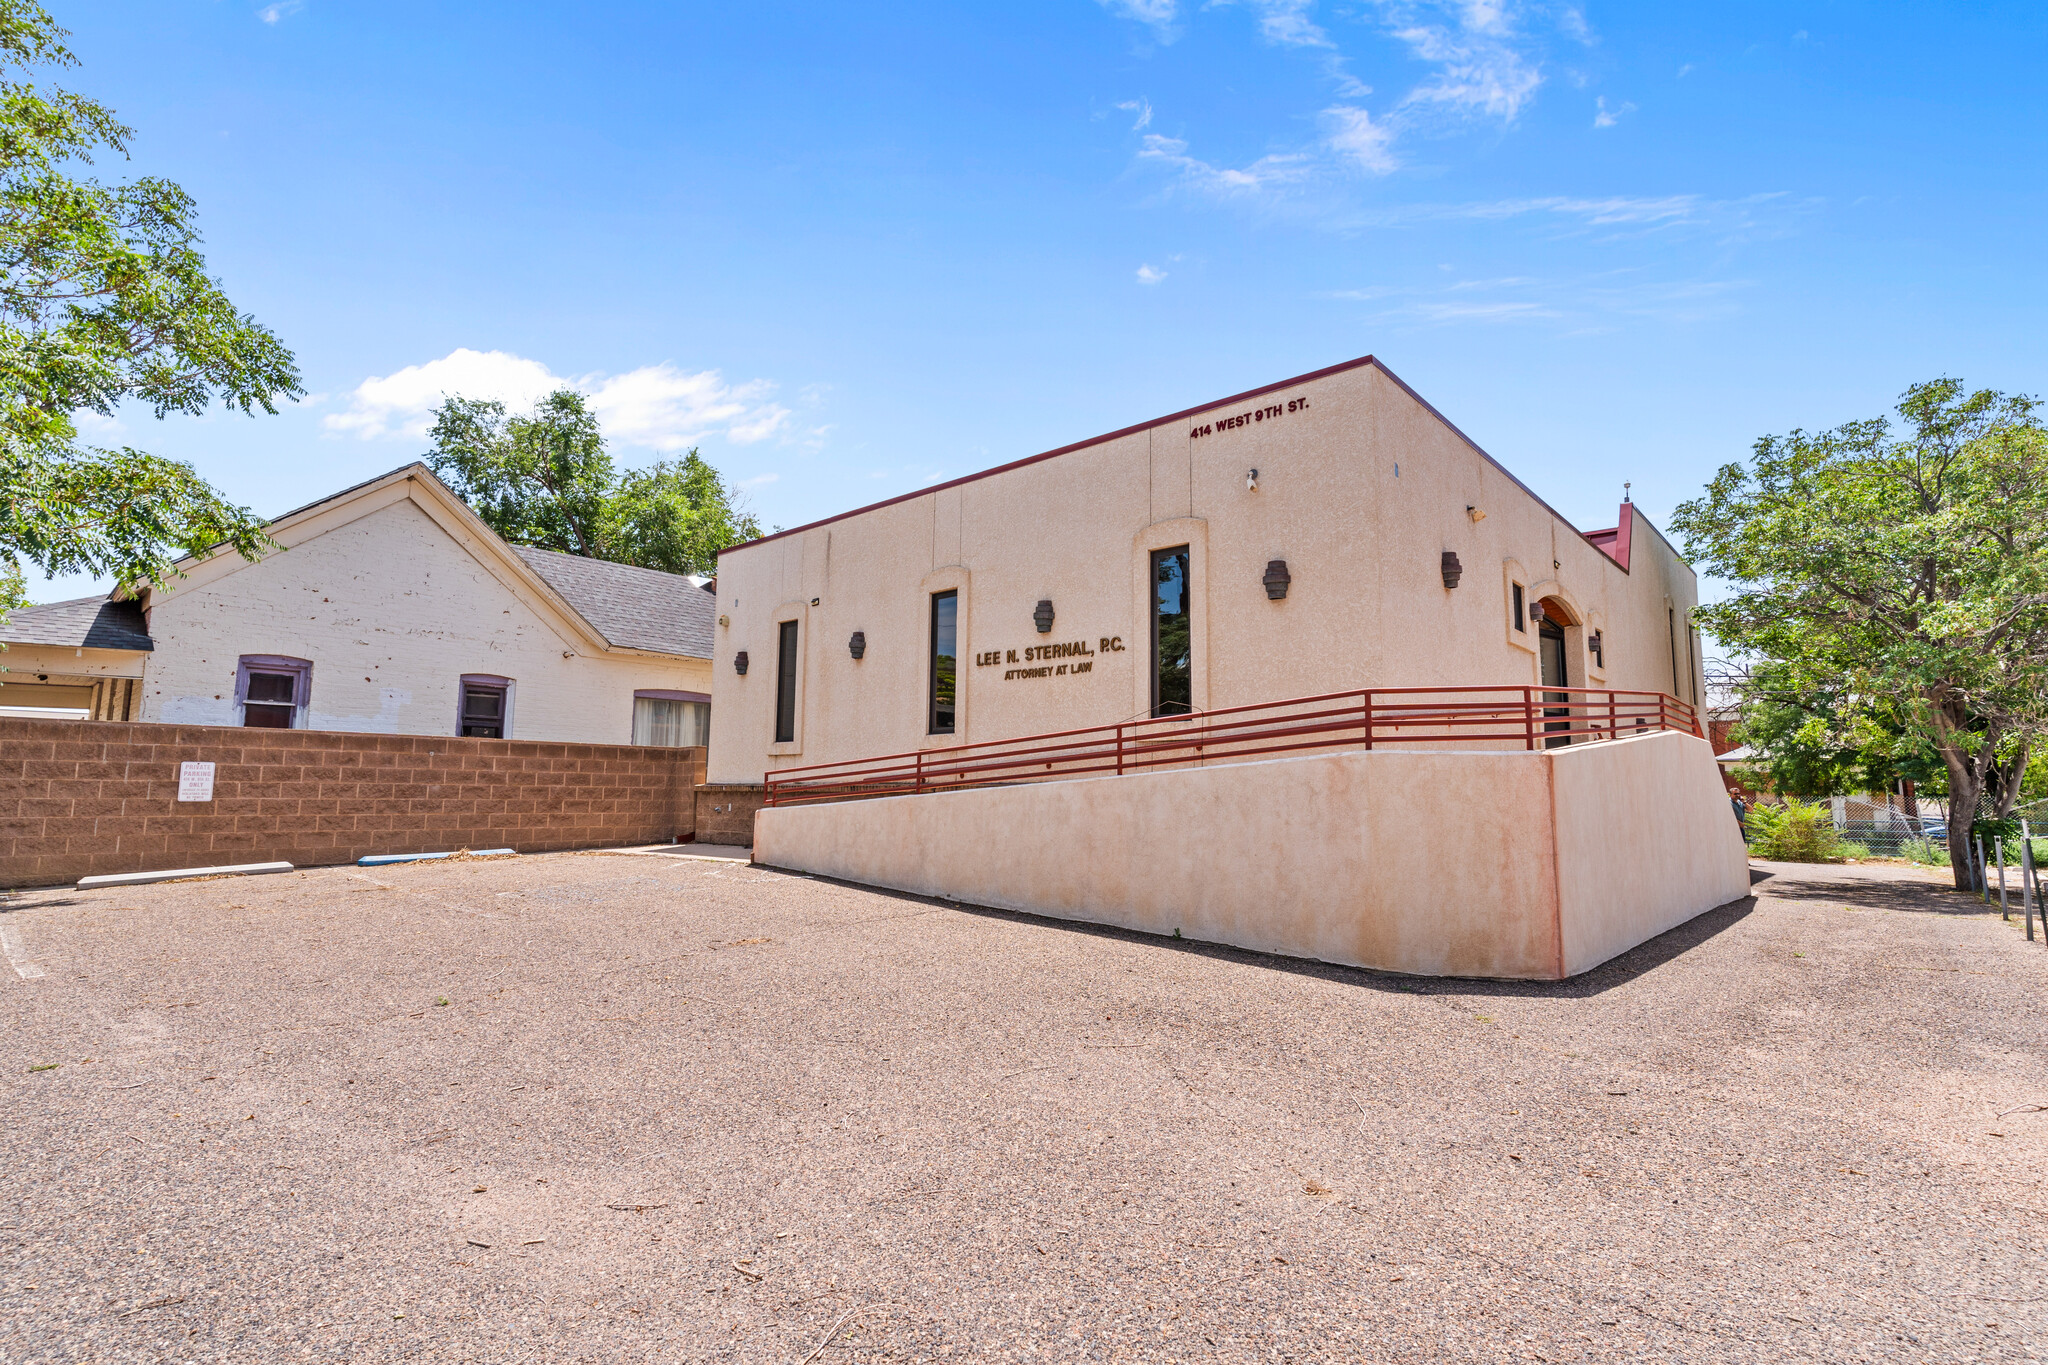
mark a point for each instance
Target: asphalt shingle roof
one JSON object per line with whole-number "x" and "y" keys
{"x": 83, "y": 622}
{"x": 632, "y": 608}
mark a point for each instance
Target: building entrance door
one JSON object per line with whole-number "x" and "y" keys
{"x": 1550, "y": 638}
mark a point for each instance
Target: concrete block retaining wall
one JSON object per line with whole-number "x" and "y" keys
{"x": 79, "y": 798}
{"x": 1434, "y": 862}
{"x": 725, "y": 812}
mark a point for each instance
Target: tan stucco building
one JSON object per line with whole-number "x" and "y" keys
{"x": 1331, "y": 531}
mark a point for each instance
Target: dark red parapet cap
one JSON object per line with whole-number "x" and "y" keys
{"x": 1613, "y": 542}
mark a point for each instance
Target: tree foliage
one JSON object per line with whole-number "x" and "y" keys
{"x": 546, "y": 479}
{"x": 1898, "y": 579}
{"x": 104, "y": 298}
{"x": 1811, "y": 738}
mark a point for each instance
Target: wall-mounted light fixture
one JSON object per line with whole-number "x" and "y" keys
{"x": 1276, "y": 580}
{"x": 1251, "y": 481}
{"x": 725, "y": 620}
{"x": 1474, "y": 513}
{"x": 858, "y": 645}
{"x": 739, "y": 663}
{"x": 1535, "y": 613}
{"x": 1452, "y": 569}
{"x": 814, "y": 601}
{"x": 1042, "y": 615}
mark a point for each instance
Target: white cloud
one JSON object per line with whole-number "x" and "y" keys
{"x": 402, "y": 403}
{"x": 1575, "y": 306}
{"x": 1506, "y": 311}
{"x": 1287, "y": 23}
{"x": 1487, "y": 65}
{"x": 760, "y": 479}
{"x": 1358, "y": 139}
{"x": 1479, "y": 69}
{"x": 1264, "y": 173}
{"x": 1142, "y": 108}
{"x": 1158, "y": 15}
{"x": 659, "y": 406}
{"x": 668, "y": 409}
{"x": 1603, "y": 117}
{"x": 1670, "y": 208}
{"x": 1147, "y": 275}
{"x": 271, "y": 13}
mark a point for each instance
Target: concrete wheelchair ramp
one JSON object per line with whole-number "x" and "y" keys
{"x": 1435, "y": 862}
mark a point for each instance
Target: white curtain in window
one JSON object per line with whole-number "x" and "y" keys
{"x": 666, "y": 724}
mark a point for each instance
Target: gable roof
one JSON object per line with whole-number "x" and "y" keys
{"x": 637, "y": 608}
{"x": 81, "y": 623}
{"x": 636, "y": 624}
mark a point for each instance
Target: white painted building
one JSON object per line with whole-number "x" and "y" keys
{"x": 391, "y": 608}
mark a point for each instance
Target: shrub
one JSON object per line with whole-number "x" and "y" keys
{"x": 1924, "y": 851}
{"x": 1796, "y": 832}
{"x": 2012, "y": 853}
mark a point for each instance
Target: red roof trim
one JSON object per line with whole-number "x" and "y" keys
{"x": 1182, "y": 415}
{"x": 1614, "y": 541}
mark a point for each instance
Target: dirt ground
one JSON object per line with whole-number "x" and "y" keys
{"x": 641, "y": 1107}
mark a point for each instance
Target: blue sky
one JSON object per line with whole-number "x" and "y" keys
{"x": 850, "y": 251}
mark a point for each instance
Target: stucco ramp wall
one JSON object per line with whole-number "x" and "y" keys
{"x": 1433, "y": 862}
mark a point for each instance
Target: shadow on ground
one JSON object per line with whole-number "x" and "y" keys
{"x": 1644, "y": 957}
{"x": 1817, "y": 886}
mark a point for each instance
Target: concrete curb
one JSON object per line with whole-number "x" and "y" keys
{"x": 179, "y": 874}
{"x": 386, "y": 859}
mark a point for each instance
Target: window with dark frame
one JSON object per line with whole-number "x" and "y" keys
{"x": 272, "y": 690}
{"x": 1521, "y": 611}
{"x": 272, "y": 700}
{"x": 785, "y": 684}
{"x": 1173, "y": 674}
{"x": 943, "y": 712}
{"x": 484, "y": 708}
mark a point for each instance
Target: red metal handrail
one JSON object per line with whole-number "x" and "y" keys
{"x": 1526, "y": 717}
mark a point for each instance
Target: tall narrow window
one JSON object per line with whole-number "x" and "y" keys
{"x": 273, "y": 690}
{"x": 1692, "y": 663}
{"x": 785, "y": 685}
{"x": 486, "y": 707}
{"x": 1521, "y": 611}
{"x": 1173, "y": 689}
{"x": 944, "y": 707}
{"x": 1671, "y": 630}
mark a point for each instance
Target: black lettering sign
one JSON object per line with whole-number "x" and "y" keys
{"x": 1246, "y": 418}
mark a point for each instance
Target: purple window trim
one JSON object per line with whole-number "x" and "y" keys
{"x": 663, "y": 694}
{"x": 301, "y": 671}
{"x": 503, "y": 685}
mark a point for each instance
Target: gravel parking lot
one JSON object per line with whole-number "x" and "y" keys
{"x": 641, "y": 1107}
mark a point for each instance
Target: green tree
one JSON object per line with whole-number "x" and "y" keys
{"x": 104, "y": 297}
{"x": 542, "y": 479}
{"x": 676, "y": 515}
{"x": 546, "y": 479}
{"x": 1904, "y": 576}
{"x": 1812, "y": 739}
